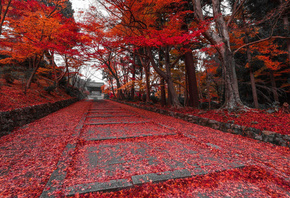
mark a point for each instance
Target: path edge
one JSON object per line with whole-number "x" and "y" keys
{"x": 250, "y": 132}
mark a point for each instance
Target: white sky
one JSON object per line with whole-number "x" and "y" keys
{"x": 83, "y": 5}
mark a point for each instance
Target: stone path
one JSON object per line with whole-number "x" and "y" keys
{"x": 118, "y": 147}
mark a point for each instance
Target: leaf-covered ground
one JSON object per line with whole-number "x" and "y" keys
{"x": 30, "y": 155}
{"x": 278, "y": 121}
{"x": 12, "y": 95}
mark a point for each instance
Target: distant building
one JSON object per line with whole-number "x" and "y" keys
{"x": 95, "y": 90}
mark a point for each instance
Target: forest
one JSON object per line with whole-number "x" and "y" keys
{"x": 231, "y": 54}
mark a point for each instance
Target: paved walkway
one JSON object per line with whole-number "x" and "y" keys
{"x": 115, "y": 146}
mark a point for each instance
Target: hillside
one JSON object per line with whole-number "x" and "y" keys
{"x": 12, "y": 95}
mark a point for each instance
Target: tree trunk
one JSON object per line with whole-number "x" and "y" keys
{"x": 274, "y": 88}
{"x": 252, "y": 77}
{"x": 208, "y": 90}
{"x": 28, "y": 83}
{"x": 172, "y": 95}
{"x": 133, "y": 78}
{"x": 35, "y": 65}
{"x": 287, "y": 28}
{"x": 112, "y": 87}
{"x": 166, "y": 76}
{"x": 192, "y": 83}
{"x": 163, "y": 94}
{"x": 147, "y": 83}
{"x": 162, "y": 83}
{"x": 146, "y": 68}
{"x": 221, "y": 41}
{"x": 66, "y": 65}
{"x": 186, "y": 91}
{"x": 232, "y": 97}
{"x": 254, "y": 90}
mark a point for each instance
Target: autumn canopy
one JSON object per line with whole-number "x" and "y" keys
{"x": 229, "y": 54}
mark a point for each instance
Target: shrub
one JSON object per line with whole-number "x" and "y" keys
{"x": 106, "y": 96}
{"x": 154, "y": 99}
{"x": 8, "y": 78}
{"x": 50, "y": 89}
{"x": 144, "y": 97}
{"x": 74, "y": 92}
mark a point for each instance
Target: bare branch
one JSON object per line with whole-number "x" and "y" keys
{"x": 235, "y": 10}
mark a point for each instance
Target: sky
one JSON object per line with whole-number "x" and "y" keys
{"x": 83, "y": 5}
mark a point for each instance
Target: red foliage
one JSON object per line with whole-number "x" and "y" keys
{"x": 12, "y": 96}
{"x": 29, "y": 156}
{"x": 246, "y": 182}
{"x": 278, "y": 122}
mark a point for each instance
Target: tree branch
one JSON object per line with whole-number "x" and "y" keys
{"x": 259, "y": 41}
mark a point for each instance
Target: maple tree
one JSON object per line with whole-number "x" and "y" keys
{"x": 42, "y": 29}
{"x": 222, "y": 43}
{"x": 264, "y": 55}
{"x": 136, "y": 27}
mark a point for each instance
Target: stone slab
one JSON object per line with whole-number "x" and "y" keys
{"x": 122, "y": 160}
{"x": 213, "y": 146}
{"x": 108, "y": 116}
{"x": 123, "y": 131}
{"x": 57, "y": 178}
{"x": 138, "y": 122}
{"x": 163, "y": 176}
{"x": 95, "y": 187}
{"x": 127, "y": 137}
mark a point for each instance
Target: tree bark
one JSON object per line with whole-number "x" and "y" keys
{"x": 221, "y": 41}
{"x": 162, "y": 83}
{"x": 208, "y": 90}
{"x": 287, "y": 28}
{"x": 252, "y": 77}
{"x": 192, "y": 83}
{"x": 171, "y": 91}
{"x": 133, "y": 78}
{"x": 146, "y": 68}
{"x": 163, "y": 94}
{"x": 35, "y": 64}
{"x": 167, "y": 76}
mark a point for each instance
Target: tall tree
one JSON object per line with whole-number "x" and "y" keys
{"x": 34, "y": 29}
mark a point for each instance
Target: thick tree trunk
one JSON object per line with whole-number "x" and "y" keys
{"x": 146, "y": 68}
{"x": 232, "y": 97}
{"x": 28, "y": 83}
{"x": 35, "y": 65}
{"x": 171, "y": 91}
{"x": 221, "y": 40}
{"x": 145, "y": 63}
{"x": 254, "y": 90}
{"x": 186, "y": 91}
{"x": 162, "y": 83}
{"x": 163, "y": 94}
{"x": 133, "y": 78}
{"x": 119, "y": 91}
{"x": 192, "y": 83}
{"x": 208, "y": 90}
{"x": 67, "y": 70}
{"x": 167, "y": 76}
{"x": 112, "y": 87}
{"x": 287, "y": 28}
